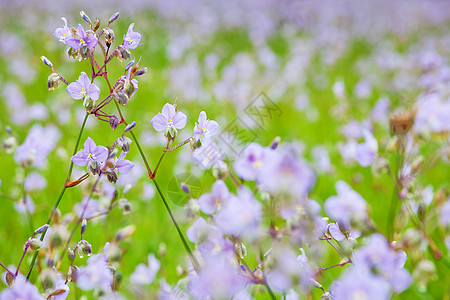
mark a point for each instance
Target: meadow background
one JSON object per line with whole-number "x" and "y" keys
{"x": 324, "y": 64}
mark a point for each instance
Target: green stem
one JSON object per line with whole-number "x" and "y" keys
{"x": 61, "y": 194}
{"x": 269, "y": 290}
{"x": 149, "y": 170}
{"x": 194, "y": 261}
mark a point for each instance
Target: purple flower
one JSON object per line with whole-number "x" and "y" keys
{"x": 366, "y": 152}
{"x": 63, "y": 33}
{"x": 82, "y": 87}
{"x": 356, "y": 285}
{"x": 445, "y": 213}
{"x": 283, "y": 172}
{"x": 207, "y": 155}
{"x": 91, "y": 207}
{"x": 131, "y": 39}
{"x": 145, "y": 274}
{"x": 204, "y": 127}
{"x": 122, "y": 165}
{"x": 248, "y": 166}
{"x": 346, "y": 205}
{"x": 21, "y": 289}
{"x": 380, "y": 259}
{"x": 219, "y": 278}
{"x": 83, "y": 39}
{"x": 169, "y": 117}
{"x": 95, "y": 274}
{"x": 240, "y": 216}
{"x": 91, "y": 152}
{"x": 209, "y": 203}
{"x": 34, "y": 182}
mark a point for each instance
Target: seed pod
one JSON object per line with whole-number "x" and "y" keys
{"x": 35, "y": 244}
{"x": 96, "y": 24}
{"x": 53, "y": 81}
{"x": 42, "y": 229}
{"x": 113, "y": 18}
{"x": 46, "y": 61}
{"x": 85, "y": 17}
{"x": 114, "y": 122}
{"x": 130, "y": 126}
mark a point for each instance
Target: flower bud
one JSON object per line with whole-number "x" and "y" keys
{"x": 74, "y": 53}
{"x": 195, "y": 144}
{"x": 392, "y": 144}
{"x": 380, "y": 166}
{"x": 162, "y": 250}
{"x": 108, "y": 33}
{"x": 86, "y": 247}
{"x": 88, "y": 103}
{"x": 122, "y": 53}
{"x": 10, "y": 144}
{"x": 35, "y": 243}
{"x": 96, "y": 24}
{"x": 326, "y": 296}
{"x": 220, "y": 169}
{"x": 124, "y": 143}
{"x": 9, "y": 278}
{"x": 121, "y": 97}
{"x": 129, "y": 89}
{"x": 125, "y": 232}
{"x": 275, "y": 143}
{"x": 46, "y": 61}
{"x": 185, "y": 188}
{"x": 111, "y": 176}
{"x": 125, "y": 206}
{"x": 53, "y": 81}
{"x": 417, "y": 164}
{"x": 83, "y": 226}
{"x": 56, "y": 216}
{"x": 141, "y": 72}
{"x": 241, "y": 250}
{"x": 93, "y": 167}
{"x": 315, "y": 283}
{"x": 170, "y": 133}
{"x": 70, "y": 254}
{"x": 114, "y": 122}
{"x": 85, "y": 17}
{"x": 47, "y": 278}
{"x": 42, "y": 229}
{"x": 130, "y": 126}
{"x": 129, "y": 64}
{"x": 424, "y": 272}
{"x": 113, "y": 18}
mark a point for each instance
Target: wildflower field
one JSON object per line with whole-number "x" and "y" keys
{"x": 253, "y": 149}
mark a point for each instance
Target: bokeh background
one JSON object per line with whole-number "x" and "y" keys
{"x": 324, "y": 64}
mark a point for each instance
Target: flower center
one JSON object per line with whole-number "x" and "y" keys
{"x": 169, "y": 121}
{"x": 257, "y": 164}
{"x": 204, "y": 130}
{"x": 83, "y": 91}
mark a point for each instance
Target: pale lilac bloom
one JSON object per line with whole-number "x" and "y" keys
{"x": 289, "y": 271}
{"x": 63, "y": 33}
{"x": 240, "y": 216}
{"x": 366, "y": 152}
{"x": 379, "y": 258}
{"x": 34, "y": 182}
{"x": 83, "y": 39}
{"x": 205, "y": 127}
{"x": 445, "y": 213}
{"x": 363, "y": 89}
{"x": 432, "y": 114}
{"x": 207, "y": 155}
{"x": 168, "y": 292}
{"x": 169, "y": 117}
{"x": 95, "y": 274}
{"x": 380, "y": 111}
{"x": 90, "y": 152}
{"x": 122, "y": 165}
{"x": 145, "y": 274}
{"x": 91, "y": 207}
{"x": 356, "y": 285}
{"x": 82, "y": 88}
{"x": 38, "y": 144}
{"x": 209, "y": 203}
{"x": 60, "y": 284}
{"x": 218, "y": 278}
{"x": 25, "y": 207}
{"x": 284, "y": 172}
{"x": 336, "y": 233}
{"x": 346, "y": 205}
{"x": 200, "y": 230}
{"x": 249, "y": 164}
{"x": 131, "y": 39}
{"x": 21, "y": 289}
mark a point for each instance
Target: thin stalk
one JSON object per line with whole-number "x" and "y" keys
{"x": 69, "y": 173}
{"x": 194, "y": 261}
{"x": 269, "y": 290}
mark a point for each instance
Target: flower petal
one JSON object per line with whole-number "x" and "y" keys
{"x": 101, "y": 154}
{"x": 89, "y": 145}
{"x": 74, "y": 90}
{"x": 168, "y": 111}
{"x": 94, "y": 92}
{"x": 125, "y": 167}
{"x": 84, "y": 81}
{"x": 80, "y": 158}
{"x": 159, "y": 122}
{"x": 179, "y": 120}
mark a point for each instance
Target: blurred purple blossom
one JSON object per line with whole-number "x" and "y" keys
{"x": 204, "y": 127}
{"x": 445, "y": 213}
{"x": 209, "y": 203}
{"x": 34, "y": 182}
{"x": 83, "y": 39}
{"x": 240, "y": 215}
{"x": 346, "y": 205}
{"x": 145, "y": 274}
{"x": 82, "y": 88}
{"x": 131, "y": 39}
{"x": 21, "y": 289}
{"x": 90, "y": 152}
{"x": 169, "y": 117}
{"x": 96, "y": 274}
{"x": 91, "y": 207}
{"x": 25, "y": 206}
{"x": 366, "y": 152}
{"x": 249, "y": 164}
